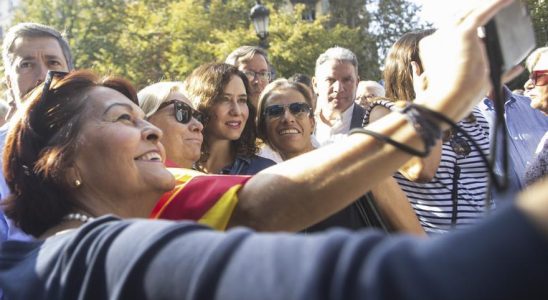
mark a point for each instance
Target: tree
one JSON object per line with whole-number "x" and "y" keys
{"x": 392, "y": 19}
{"x": 149, "y": 40}
{"x": 539, "y": 14}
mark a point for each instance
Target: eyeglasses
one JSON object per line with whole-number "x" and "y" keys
{"x": 265, "y": 76}
{"x": 184, "y": 112}
{"x": 47, "y": 83}
{"x": 539, "y": 77}
{"x": 298, "y": 109}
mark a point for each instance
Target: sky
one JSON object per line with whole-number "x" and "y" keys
{"x": 440, "y": 11}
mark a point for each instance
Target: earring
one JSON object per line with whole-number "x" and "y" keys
{"x": 77, "y": 183}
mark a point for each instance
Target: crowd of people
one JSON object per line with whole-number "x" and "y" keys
{"x": 210, "y": 187}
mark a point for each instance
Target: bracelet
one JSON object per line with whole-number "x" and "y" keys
{"x": 424, "y": 122}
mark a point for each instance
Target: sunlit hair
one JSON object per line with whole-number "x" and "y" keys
{"x": 398, "y": 74}
{"x": 42, "y": 143}
{"x": 378, "y": 89}
{"x": 244, "y": 54}
{"x": 274, "y": 88}
{"x": 205, "y": 87}
{"x": 339, "y": 54}
{"x": 152, "y": 96}
{"x": 33, "y": 30}
{"x": 534, "y": 57}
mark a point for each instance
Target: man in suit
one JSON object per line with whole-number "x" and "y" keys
{"x": 335, "y": 82}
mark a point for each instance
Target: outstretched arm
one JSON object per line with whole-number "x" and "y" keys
{"x": 310, "y": 187}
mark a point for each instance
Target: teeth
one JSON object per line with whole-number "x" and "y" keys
{"x": 150, "y": 156}
{"x": 288, "y": 131}
{"x": 233, "y": 123}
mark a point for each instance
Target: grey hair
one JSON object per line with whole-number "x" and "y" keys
{"x": 377, "y": 88}
{"x": 152, "y": 96}
{"x": 534, "y": 57}
{"x": 339, "y": 54}
{"x": 244, "y": 54}
{"x": 33, "y": 30}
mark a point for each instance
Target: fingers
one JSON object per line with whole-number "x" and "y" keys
{"x": 482, "y": 13}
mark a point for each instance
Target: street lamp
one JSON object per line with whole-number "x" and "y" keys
{"x": 259, "y": 15}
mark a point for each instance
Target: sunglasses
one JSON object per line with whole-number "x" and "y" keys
{"x": 184, "y": 112}
{"x": 298, "y": 109}
{"x": 539, "y": 77}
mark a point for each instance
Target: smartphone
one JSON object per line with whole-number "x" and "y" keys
{"x": 509, "y": 36}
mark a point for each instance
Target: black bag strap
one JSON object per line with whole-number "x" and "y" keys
{"x": 370, "y": 214}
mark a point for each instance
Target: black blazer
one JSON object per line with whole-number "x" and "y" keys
{"x": 357, "y": 116}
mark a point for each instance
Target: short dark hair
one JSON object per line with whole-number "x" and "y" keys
{"x": 398, "y": 77}
{"x": 33, "y": 30}
{"x": 244, "y": 54}
{"x": 204, "y": 87}
{"x": 41, "y": 145}
{"x": 301, "y": 78}
{"x": 269, "y": 91}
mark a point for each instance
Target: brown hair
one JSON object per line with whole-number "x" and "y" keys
{"x": 269, "y": 91}
{"x": 398, "y": 75}
{"x": 204, "y": 87}
{"x": 42, "y": 144}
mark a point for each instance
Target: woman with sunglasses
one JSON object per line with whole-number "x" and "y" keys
{"x": 166, "y": 107}
{"x": 537, "y": 89}
{"x": 447, "y": 189}
{"x": 285, "y": 122}
{"x": 105, "y": 158}
{"x": 221, "y": 92}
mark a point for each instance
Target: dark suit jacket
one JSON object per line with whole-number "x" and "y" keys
{"x": 357, "y": 116}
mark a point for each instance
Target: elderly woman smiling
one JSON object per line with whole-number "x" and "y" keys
{"x": 166, "y": 107}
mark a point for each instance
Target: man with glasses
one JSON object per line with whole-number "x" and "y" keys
{"x": 253, "y": 61}
{"x": 29, "y": 50}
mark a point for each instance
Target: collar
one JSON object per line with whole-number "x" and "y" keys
{"x": 508, "y": 98}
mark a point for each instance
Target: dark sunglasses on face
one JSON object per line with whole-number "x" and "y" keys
{"x": 184, "y": 112}
{"x": 298, "y": 109}
{"x": 539, "y": 77}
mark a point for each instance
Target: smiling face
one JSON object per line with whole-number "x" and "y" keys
{"x": 229, "y": 114}
{"x": 289, "y": 134}
{"x": 119, "y": 157}
{"x": 335, "y": 84}
{"x": 182, "y": 141}
{"x": 32, "y": 57}
{"x": 539, "y": 93}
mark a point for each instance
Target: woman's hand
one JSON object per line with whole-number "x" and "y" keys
{"x": 455, "y": 62}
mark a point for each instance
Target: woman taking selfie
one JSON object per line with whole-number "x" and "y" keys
{"x": 66, "y": 169}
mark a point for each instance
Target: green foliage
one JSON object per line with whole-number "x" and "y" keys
{"x": 393, "y": 18}
{"x": 539, "y": 14}
{"x": 151, "y": 40}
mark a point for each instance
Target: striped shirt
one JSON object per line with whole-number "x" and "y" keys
{"x": 433, "y": 201}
